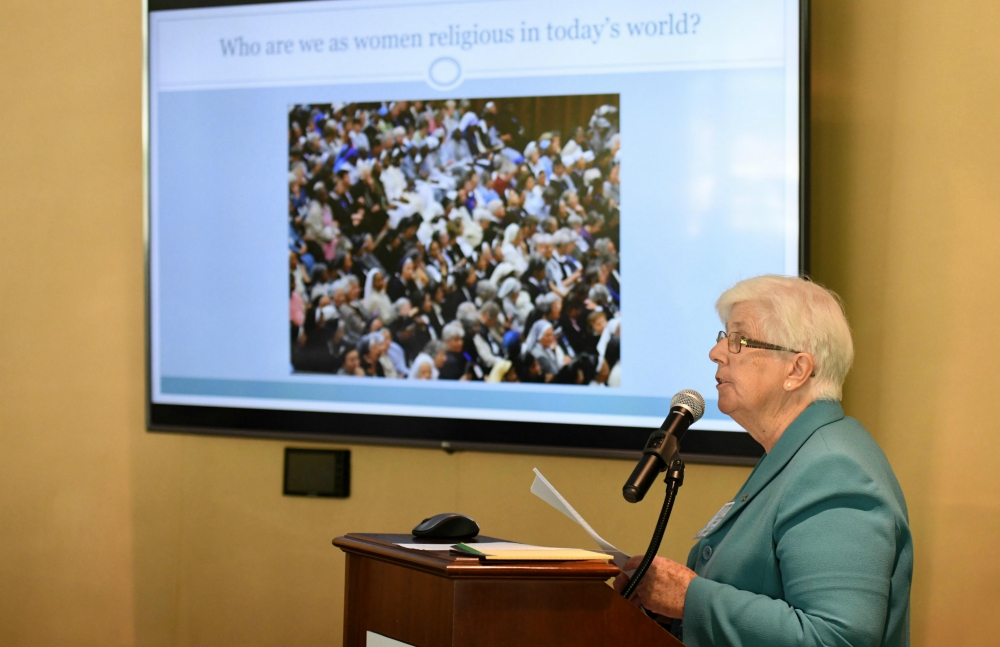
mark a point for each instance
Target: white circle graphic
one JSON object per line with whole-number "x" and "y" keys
{"x": 444, "y": 72}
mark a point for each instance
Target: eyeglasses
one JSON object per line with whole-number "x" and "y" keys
{"x": 738, "y": 341}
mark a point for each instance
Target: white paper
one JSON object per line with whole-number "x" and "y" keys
{"x": 373, "y": 639}
{"x": 486, "y": 546}
{"x": 482, "y": 545}
{"x": 428, "y": 546}
{"x": 544, "y": 491}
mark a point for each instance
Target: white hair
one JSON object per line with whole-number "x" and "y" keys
{"x": 544, "y": 302}
{"x": 564, "y": 236}
{"x": 802, "y": 315}
{"x": 453, "y": 330}
{"x": 466, "y": 315}
{"x": 490, "y": 309}
{"x": 340, "y": 285}
{"x": 599, "y": 293}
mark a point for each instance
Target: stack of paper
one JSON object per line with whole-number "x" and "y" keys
{"x": 506, "y": 551}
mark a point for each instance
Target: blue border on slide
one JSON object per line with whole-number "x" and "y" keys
{"x": 631, "y": 405}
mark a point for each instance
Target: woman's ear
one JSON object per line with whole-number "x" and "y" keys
{"x": 802, "y": 368}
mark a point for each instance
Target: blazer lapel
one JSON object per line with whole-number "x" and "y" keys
{"x": 816, "y": 415}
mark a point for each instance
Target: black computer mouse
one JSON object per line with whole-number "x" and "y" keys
{"x": 447, "y": 525}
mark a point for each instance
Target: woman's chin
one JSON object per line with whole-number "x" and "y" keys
{"x": 727, "y": 403}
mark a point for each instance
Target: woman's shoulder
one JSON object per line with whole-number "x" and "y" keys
{"x": 845, "y": 440}
{"x": 842, "y": 458}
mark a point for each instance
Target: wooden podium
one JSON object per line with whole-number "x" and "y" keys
{"x": 436, "y": 599}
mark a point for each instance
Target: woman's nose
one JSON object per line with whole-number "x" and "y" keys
{"x": 718, "y": 352}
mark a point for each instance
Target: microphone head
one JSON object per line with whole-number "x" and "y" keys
{"x": 690, "y": 400}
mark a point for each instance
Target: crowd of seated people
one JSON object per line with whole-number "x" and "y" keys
{"x": 435, "y": 240}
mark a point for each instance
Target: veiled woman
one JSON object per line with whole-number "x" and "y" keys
{"x": 376, "y": 301}
{"x": 513, "y": 248}
{"x": 544, "y": 347}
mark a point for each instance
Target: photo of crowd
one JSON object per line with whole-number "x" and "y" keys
{"x": 456, "y": 240}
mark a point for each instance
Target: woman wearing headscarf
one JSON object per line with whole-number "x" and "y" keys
{"x": 516, "y": 303}
{"x": 485, "y": 264}
{"x": 501, "y": 272}
{"x": 542, "y": 345}
{"x": 514, "y": 251}
{"x": 370, "y": 350}
{"x": 532, "y": 158}
{"x": 320, "y": 227}
{"x": 376, "y": 301}
{"x": 815, "y": 548}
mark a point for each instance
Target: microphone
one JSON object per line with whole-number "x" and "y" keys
{"x": 686, "y": 408}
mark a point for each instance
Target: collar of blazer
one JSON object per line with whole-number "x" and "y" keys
{"x": 816, "y": 415}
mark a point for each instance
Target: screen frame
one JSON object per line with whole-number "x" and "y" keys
{"x": 448, "y": 434}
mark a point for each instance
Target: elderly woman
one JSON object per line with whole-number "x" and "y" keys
{"x": 376, "y": 301}
{"x": 543, "y": 345}
{"x": 454, "y": 367}
{"x": 351, "y": 311}
{"x": 513, "y": 248}
{"x": 516, "y": 303}
{"x": 423, "y": 368}
{"x": 815, "y": 548}
{"x": 547, "y": 306}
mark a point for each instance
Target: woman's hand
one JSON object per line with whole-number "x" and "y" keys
{"x": 664, "y": 587}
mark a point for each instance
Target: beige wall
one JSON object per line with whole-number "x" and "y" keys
{"x": 110, "y": 535}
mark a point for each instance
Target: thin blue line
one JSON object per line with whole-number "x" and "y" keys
{"x": 519, "y": 400}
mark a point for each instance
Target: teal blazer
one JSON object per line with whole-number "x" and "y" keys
{"x": 816, "y": 549}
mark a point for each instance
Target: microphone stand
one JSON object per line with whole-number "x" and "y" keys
{"x": 674, "y": 479}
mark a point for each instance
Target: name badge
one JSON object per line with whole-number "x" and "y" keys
{"x": 714, "y": 521}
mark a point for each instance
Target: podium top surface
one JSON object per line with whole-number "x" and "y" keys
{"x": 445, "y": 564}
